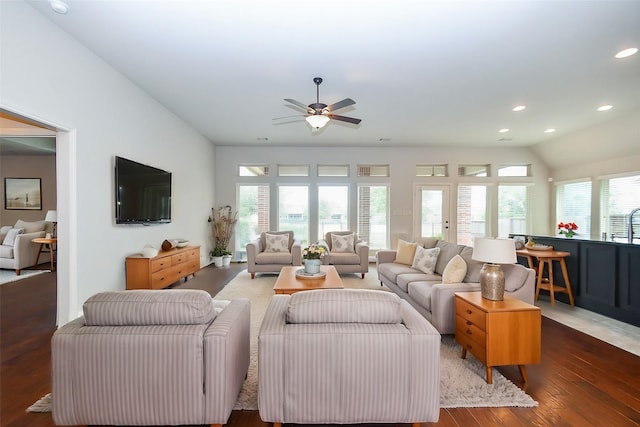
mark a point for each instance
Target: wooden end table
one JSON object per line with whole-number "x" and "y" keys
{"x": 547, "y": 258}
{"x": 498, "y": 333}
{"x": 49, "y": 242}
{"x": 289, "y": 283}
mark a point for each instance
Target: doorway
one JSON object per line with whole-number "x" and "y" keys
{"x": 432, "y": 211}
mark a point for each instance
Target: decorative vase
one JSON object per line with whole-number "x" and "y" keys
{"x": 312, "y": 266}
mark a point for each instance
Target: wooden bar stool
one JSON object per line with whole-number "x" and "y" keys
{"x": 546, "y": 257}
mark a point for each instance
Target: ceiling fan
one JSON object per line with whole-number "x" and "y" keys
{"x": 319, "y": 114}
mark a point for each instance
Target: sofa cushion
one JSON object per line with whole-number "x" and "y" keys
{"x": 264, "y": 258}
{"x": 276, "y": 243}
{"x": 455, "y": 270}
{"x": 6, "y": 252}
{"x": 406, "y": 252}
{"x": 447, "y": 251}
{"x": 421, "y": 293}
{"x": 341, "y": 244}
{"x": 403, "y": 280}
{"x": 344, "y": 258}
{"x": 10, "y": 238}
{"x": 344, "y": 306}
{"x": 149, "y": 307}
{"x": 473, "y": 266}
{"x": 515, "y": 276}
{"x": 425, "y": 259}
{"x": 390, "y": 270}
{"x": 30, "y": 227}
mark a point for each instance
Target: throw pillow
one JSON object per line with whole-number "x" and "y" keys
{"x": 406, "y": 252}
{"x": 3, "y": 232}
{"x": 276, "y": 242}
{"x": 10, "y": 238}
{"x": 455, "y": 270}
{"x": 344, "y": 243}
{"x": 425, "y": 259}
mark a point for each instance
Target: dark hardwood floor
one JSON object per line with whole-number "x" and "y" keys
{"x": 581, "y": 381}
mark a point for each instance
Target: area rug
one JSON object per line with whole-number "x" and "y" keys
{"x": 462, "y": 381}
{"x": 8, "y": 276}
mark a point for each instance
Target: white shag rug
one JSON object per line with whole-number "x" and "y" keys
{"x": 462, "y": 381}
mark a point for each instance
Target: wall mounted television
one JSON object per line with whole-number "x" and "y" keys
{"x": 143, "y": 193}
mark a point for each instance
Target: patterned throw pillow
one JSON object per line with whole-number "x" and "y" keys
{"x": 10, "y": 238}
{"x": 455, "y": 270}
{"x": 276, "y": 242}
{"x": 343, "y": 243}
{"x": 425, "y": 259}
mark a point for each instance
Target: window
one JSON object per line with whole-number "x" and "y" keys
{"x": 514, "y": 170}
{"x": 573, "y": 204}
{"x": 619, "y": 196}
{"x": 473, "y": 170}
{"x": 333, "y": 170}
{"x": 253, "y": 214}
{"x": 253, "y": 170}
{"x": 431, "y": 170}
{"x": 513, "y": 209}
{"x": 373, "y": 170}
{"x": 472, "y": 213}
{"x": 293, "y": 211}
{"x": 333, "y": 209}
{"x": 373, "y": 216}
{"x": 293, "y": 170}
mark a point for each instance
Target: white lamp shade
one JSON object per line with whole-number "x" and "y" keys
{"x": 52, "y": 216}
{"x": 494, "y": 251}
{"x": 317, "y": 120}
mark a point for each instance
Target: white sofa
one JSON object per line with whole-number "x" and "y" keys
{"x": 434, "y": 299}
{"x": 347, "y": 356}
{"x": 23, "y": 253}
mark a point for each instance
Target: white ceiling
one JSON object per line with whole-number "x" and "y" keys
{"x": 421, "y": 72}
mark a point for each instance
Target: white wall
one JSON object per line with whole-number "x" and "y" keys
{"x": 402, "y": 161}
{"x": 48, "y": 76}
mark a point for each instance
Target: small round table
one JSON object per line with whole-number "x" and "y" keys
{"x": 50, "y": 242}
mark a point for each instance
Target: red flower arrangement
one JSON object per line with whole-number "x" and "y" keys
{"x": 568, "y": 229}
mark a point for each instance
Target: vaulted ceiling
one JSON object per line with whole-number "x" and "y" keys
{"x": 421, "y": 72}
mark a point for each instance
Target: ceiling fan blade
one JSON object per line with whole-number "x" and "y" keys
{"x": 340, "y": 104}
{"x": 299, "y": 104}
{"x": 287, "y": 117}
{"x": 344, "y": 119}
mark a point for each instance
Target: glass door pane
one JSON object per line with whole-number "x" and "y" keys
{"x": 433, "y": 212}
{"x": 333, "y": 209}
{"x": 293, "y": 211}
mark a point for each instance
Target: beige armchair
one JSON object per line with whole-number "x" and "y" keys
{"x": 22, "y": 253}
{"x": 272, "y": 251}
{"x": 346, "y": 254}
{"x": 150, "y": 357}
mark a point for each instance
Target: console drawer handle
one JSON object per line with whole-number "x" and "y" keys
{"x": 469, "y": 311}
{"x": 469, "y": 332}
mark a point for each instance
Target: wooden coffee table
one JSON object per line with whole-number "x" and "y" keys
{"x": 289, "y": 283}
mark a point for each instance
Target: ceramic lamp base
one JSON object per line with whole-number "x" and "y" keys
{"x": 492, "y": 282}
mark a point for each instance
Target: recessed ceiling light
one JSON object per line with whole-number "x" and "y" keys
{"x": 59, "y": 6}
{"x": 550, "y": 130}
{"x": 605, "y": 108}
{"x": 627, "y": 52}
{"x": 503, "y": 130}
{"x": 519, "y": 107}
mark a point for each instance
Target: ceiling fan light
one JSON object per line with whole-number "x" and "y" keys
{"x": 317, "y": 120}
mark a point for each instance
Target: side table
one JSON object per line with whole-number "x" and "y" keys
{"x": 546, "y": 258}
{"x": 498, "y": 333}
{"x": 49, "y": 242}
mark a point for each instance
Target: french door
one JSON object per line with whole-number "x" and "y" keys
{"x": 431, "y": 217}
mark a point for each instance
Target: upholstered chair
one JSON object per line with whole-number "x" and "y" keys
{"x": 150, "y": 357}
{"x": 346, "y": 252}
{"x": 272, "y": 251}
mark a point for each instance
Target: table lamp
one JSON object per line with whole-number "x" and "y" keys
{"x": 52, "y": 216}
{"x": 493, "y": 252}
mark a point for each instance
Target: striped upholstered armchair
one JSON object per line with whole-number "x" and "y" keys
{"x": 150, "y": 357}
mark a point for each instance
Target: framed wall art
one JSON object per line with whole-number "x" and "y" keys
{"x": 22, "y": 194}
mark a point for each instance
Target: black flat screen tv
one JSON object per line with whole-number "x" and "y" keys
{"x": 143, "y": 193}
